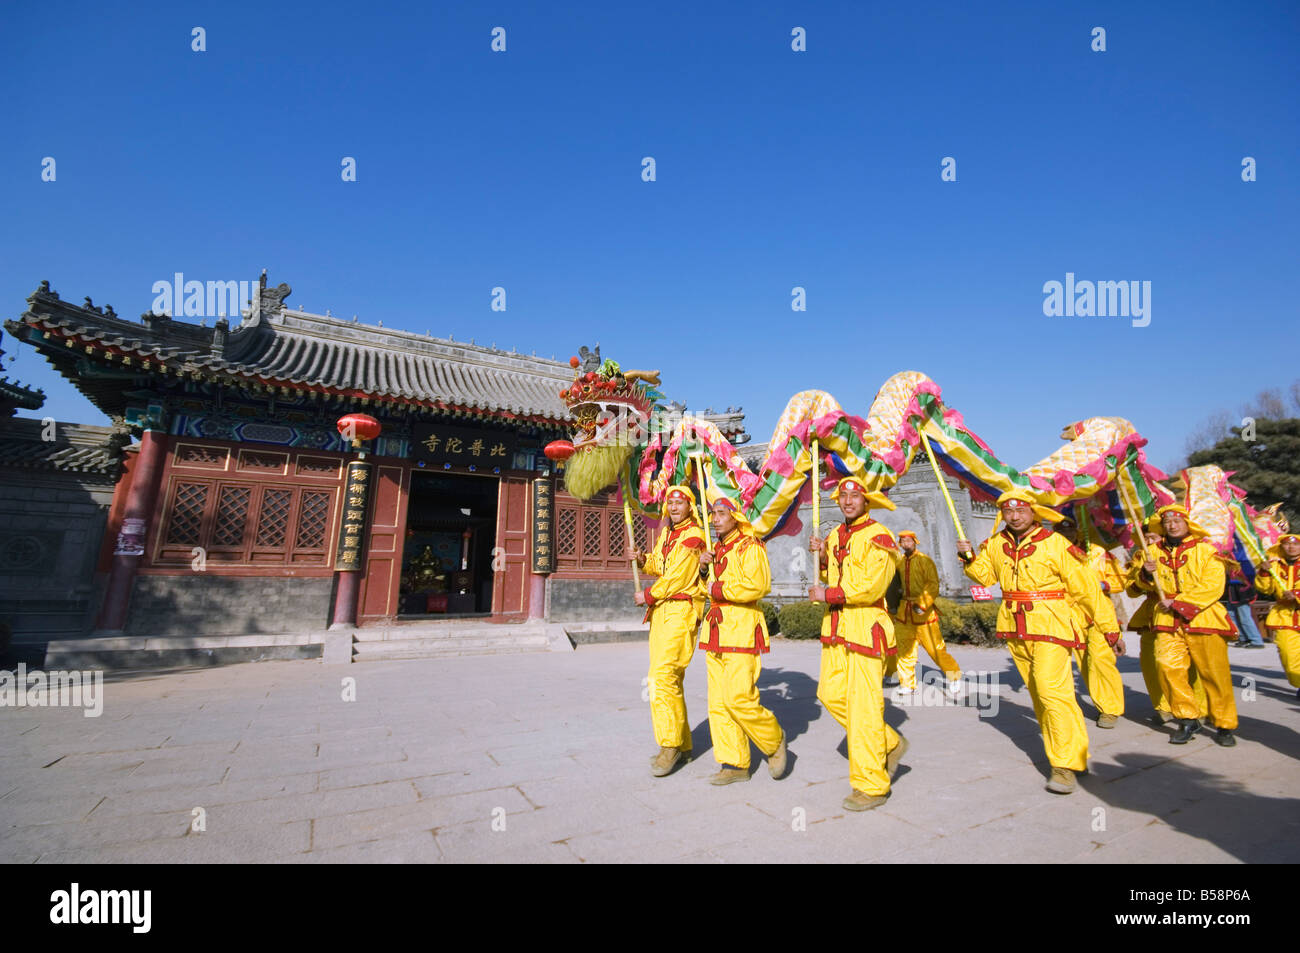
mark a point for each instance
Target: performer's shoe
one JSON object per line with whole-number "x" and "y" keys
{"x": 776, "y": 762}
{"x": 665, "y": 761}
{"x": 1061, "y": 781}
{"x": 895, "y": 756}
{"x": 1225, "y": 738}
{"x": 904, "y": 690}
{"x": 1106, "y": 721}
{"x": 1161, "y": 718}
{"x": 861, "y": 801}
{"x": 729, "y": 775}
{"x": 1186, "y": 728}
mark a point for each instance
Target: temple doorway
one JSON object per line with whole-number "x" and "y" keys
{"x": 451, "y": 526}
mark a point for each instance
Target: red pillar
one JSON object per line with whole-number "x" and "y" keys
{"x": 537, "y": 596}
{"x": 345, "y": 599}
{"x": 141, "y": 501}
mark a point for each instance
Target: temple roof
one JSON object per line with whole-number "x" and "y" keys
{"x": 296, "y": 353}
{"x": 76, "y": 448}
{"x": 295, "y": 350}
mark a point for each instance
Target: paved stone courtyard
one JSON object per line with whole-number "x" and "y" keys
{"x": 544, "y": 758}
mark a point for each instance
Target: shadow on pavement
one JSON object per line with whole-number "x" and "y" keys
{"x": 1250, "y": 827}
{"x": 792, "y": 696}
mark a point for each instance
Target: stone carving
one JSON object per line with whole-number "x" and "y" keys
{"x": 590, "y": 359}
{"x": 271, "y": 300}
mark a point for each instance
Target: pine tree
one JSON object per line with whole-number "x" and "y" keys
{"x": 1266, "y": 467}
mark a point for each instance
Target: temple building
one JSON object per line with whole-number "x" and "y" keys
{"x": 238, "y": 509}
{"x": 245, "y": 516}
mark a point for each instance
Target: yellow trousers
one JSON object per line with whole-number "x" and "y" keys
{"x": 904, "y": 663}
{"x": 673, "y": 627}
{"x": 1101, "y": 673}
{"x": 735, "y": 714}
{"x": 1045, "y": 669}
{"x": 1175, "y": 653}
{"x": 1151, "y": 675}
{"x": 851, "y": 688}
{"x": 1288, "y": 647}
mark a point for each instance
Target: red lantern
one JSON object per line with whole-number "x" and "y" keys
{"x": 358, "y": 427}
{"x": 558, "y": 450}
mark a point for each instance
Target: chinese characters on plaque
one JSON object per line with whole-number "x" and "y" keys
{"x": 439, "y": 443}
{"x": 543, "y": 526}
{"x": 356, "y": 491}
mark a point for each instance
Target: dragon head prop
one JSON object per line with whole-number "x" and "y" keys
{"x": 611, "y": 409}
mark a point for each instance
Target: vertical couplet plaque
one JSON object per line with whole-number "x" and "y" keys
{"x": 356, "y": 493}
{"x": 543, "y": 526}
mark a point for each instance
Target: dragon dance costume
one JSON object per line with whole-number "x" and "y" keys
{"x": 1097, "y": 661}
{"x": 735, "y": 635}
{"x": 674, "y": 605}
{"x": 1194, "y": 628}
{"x": 916, "y": 621}
{"x": 857, "y": 639}
{"x": 1284, "y": 619}
{"x": 1041, "y": 573}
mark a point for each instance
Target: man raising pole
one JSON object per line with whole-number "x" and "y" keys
{"x": 1041, "y": 573}
{"x": 736, "y": 635}
{"x": 916, "y": 621}
{"x": 857, "y": 638}
{"x": 1190, "y": 623}
{"x": 674, "y": 605}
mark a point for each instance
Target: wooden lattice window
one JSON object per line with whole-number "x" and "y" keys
{"x": 195, "y": 455}
{"x": 273, "y": 521}
{"x": 618, "y": 536}
{"x": 232, "y": 516}
{"x": 272, "y": 462}
{"x": 188, "y": 505}
{"x": 248, "y": 523}
{"x": 566, "y": 532}
{"x": 313, "y": 516}
{"x": 592, "y": 538}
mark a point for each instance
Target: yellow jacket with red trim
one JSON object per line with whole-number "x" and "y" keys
{"x": 741, "y": 577}
{"x": 920, "y": 588}
{"x": 1280, "y": 616}
{"x": 675, "y": 560}
{"x": 1192, "y": 574}
{"x": 859, "y": 567}
{"x": 1100, "y": 564}
{"x": 1041, "y": 575}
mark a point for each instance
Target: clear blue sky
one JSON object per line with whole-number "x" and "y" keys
{"x": 774, "y": 169}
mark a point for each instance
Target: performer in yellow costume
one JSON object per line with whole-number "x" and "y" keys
{"x": 1041, "y": 573}
{"x": 1141, "y": 624}
{"x": 1097, "y": 662}
{"x": 735, "y": 637}
{"x": 857, "y": 565}
{"x": 1284, "y": 618}
{"x": 1190, "y": 623}
{"x": 674, "y": 605}
{"x": 917, "y": 621}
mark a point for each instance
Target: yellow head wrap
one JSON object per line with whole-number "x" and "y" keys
{"x": 875, "y": 500}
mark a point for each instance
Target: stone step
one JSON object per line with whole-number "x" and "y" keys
{"x": 444, "y": 646}
{"x": 373, "y": 634}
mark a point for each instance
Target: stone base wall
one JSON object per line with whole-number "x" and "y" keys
{"x": 51, "y": 526}
{"x": 198, "y": 604}
{"x": 591, "y": 600}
